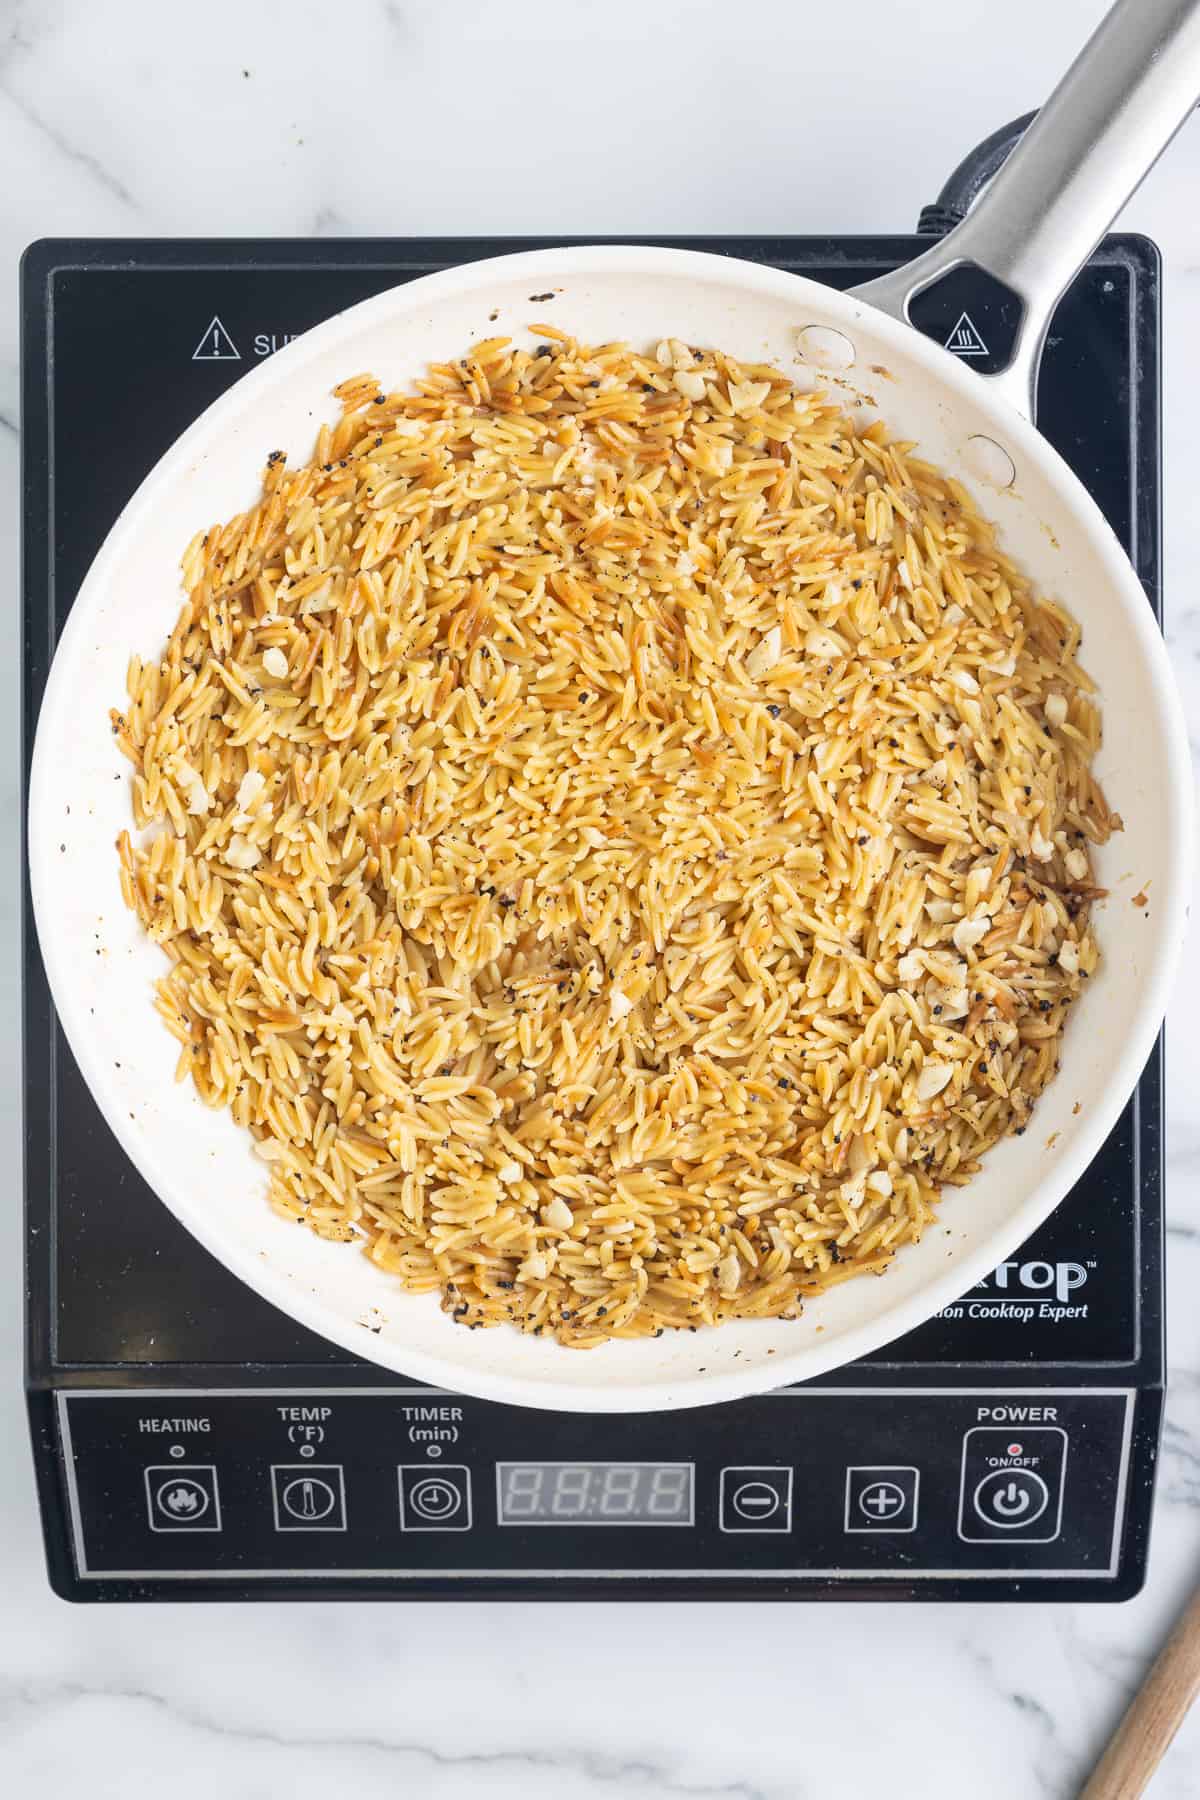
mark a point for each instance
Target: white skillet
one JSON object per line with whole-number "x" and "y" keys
{"x": 1108, "y": 121}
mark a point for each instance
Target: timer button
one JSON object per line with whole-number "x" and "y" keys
{"x": 434, "y": 1499}
{"x": 756, "y": 1499}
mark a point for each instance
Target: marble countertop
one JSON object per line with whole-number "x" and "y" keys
{"x": 130, "y": 118}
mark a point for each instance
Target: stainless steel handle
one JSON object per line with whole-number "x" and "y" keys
{"x": 1099, "y": 134}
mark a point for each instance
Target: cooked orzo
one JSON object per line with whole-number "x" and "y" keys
{"x": 620, "y": 828}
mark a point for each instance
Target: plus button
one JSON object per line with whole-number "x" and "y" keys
{"x": 881, "y": 1499}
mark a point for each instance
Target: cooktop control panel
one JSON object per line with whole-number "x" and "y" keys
{"x": 408, "y": 1482}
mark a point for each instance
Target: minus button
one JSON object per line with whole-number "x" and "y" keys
{"x": 756, "y": 1499}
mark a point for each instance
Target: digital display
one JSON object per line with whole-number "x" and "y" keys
{"x": 609, "y": 1493}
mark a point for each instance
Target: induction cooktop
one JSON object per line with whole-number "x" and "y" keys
{"x": 193, "y": 1442}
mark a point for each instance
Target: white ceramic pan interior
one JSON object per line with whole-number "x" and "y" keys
{"x": 102, "y": 968}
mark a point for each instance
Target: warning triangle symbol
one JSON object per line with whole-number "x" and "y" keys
{"x": 965, "y": 340}
{"x": 216, "y": 345}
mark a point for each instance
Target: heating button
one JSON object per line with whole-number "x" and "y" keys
{"x": 183, "y": 1497}
{"x": 1012, "y": 1484}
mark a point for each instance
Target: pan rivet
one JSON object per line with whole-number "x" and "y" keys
{"x": 989, "y": 461}
{"x": 823, "y": 344}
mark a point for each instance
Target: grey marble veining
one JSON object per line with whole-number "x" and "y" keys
{"x": 389, "y": 116}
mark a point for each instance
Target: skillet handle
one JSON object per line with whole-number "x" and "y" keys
{"x": 1099, "y": 134}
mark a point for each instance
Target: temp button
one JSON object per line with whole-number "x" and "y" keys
{"x": 1012, "y": 1484}
{"x": 308, "y": 1496}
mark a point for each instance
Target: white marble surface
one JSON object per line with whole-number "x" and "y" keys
{"x": 130, "y": 117}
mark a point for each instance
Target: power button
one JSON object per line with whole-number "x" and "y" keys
{"x": 1012, "y": 1484}
{"x": 1011, "y": 1498}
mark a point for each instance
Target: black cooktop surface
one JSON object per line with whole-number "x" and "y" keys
{"x": 124, "y": 344}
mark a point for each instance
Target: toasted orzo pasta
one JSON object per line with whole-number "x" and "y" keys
{"x": 621, "y": 835}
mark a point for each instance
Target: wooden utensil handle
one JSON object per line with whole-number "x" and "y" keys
{"x": 1154, "y": 1716}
